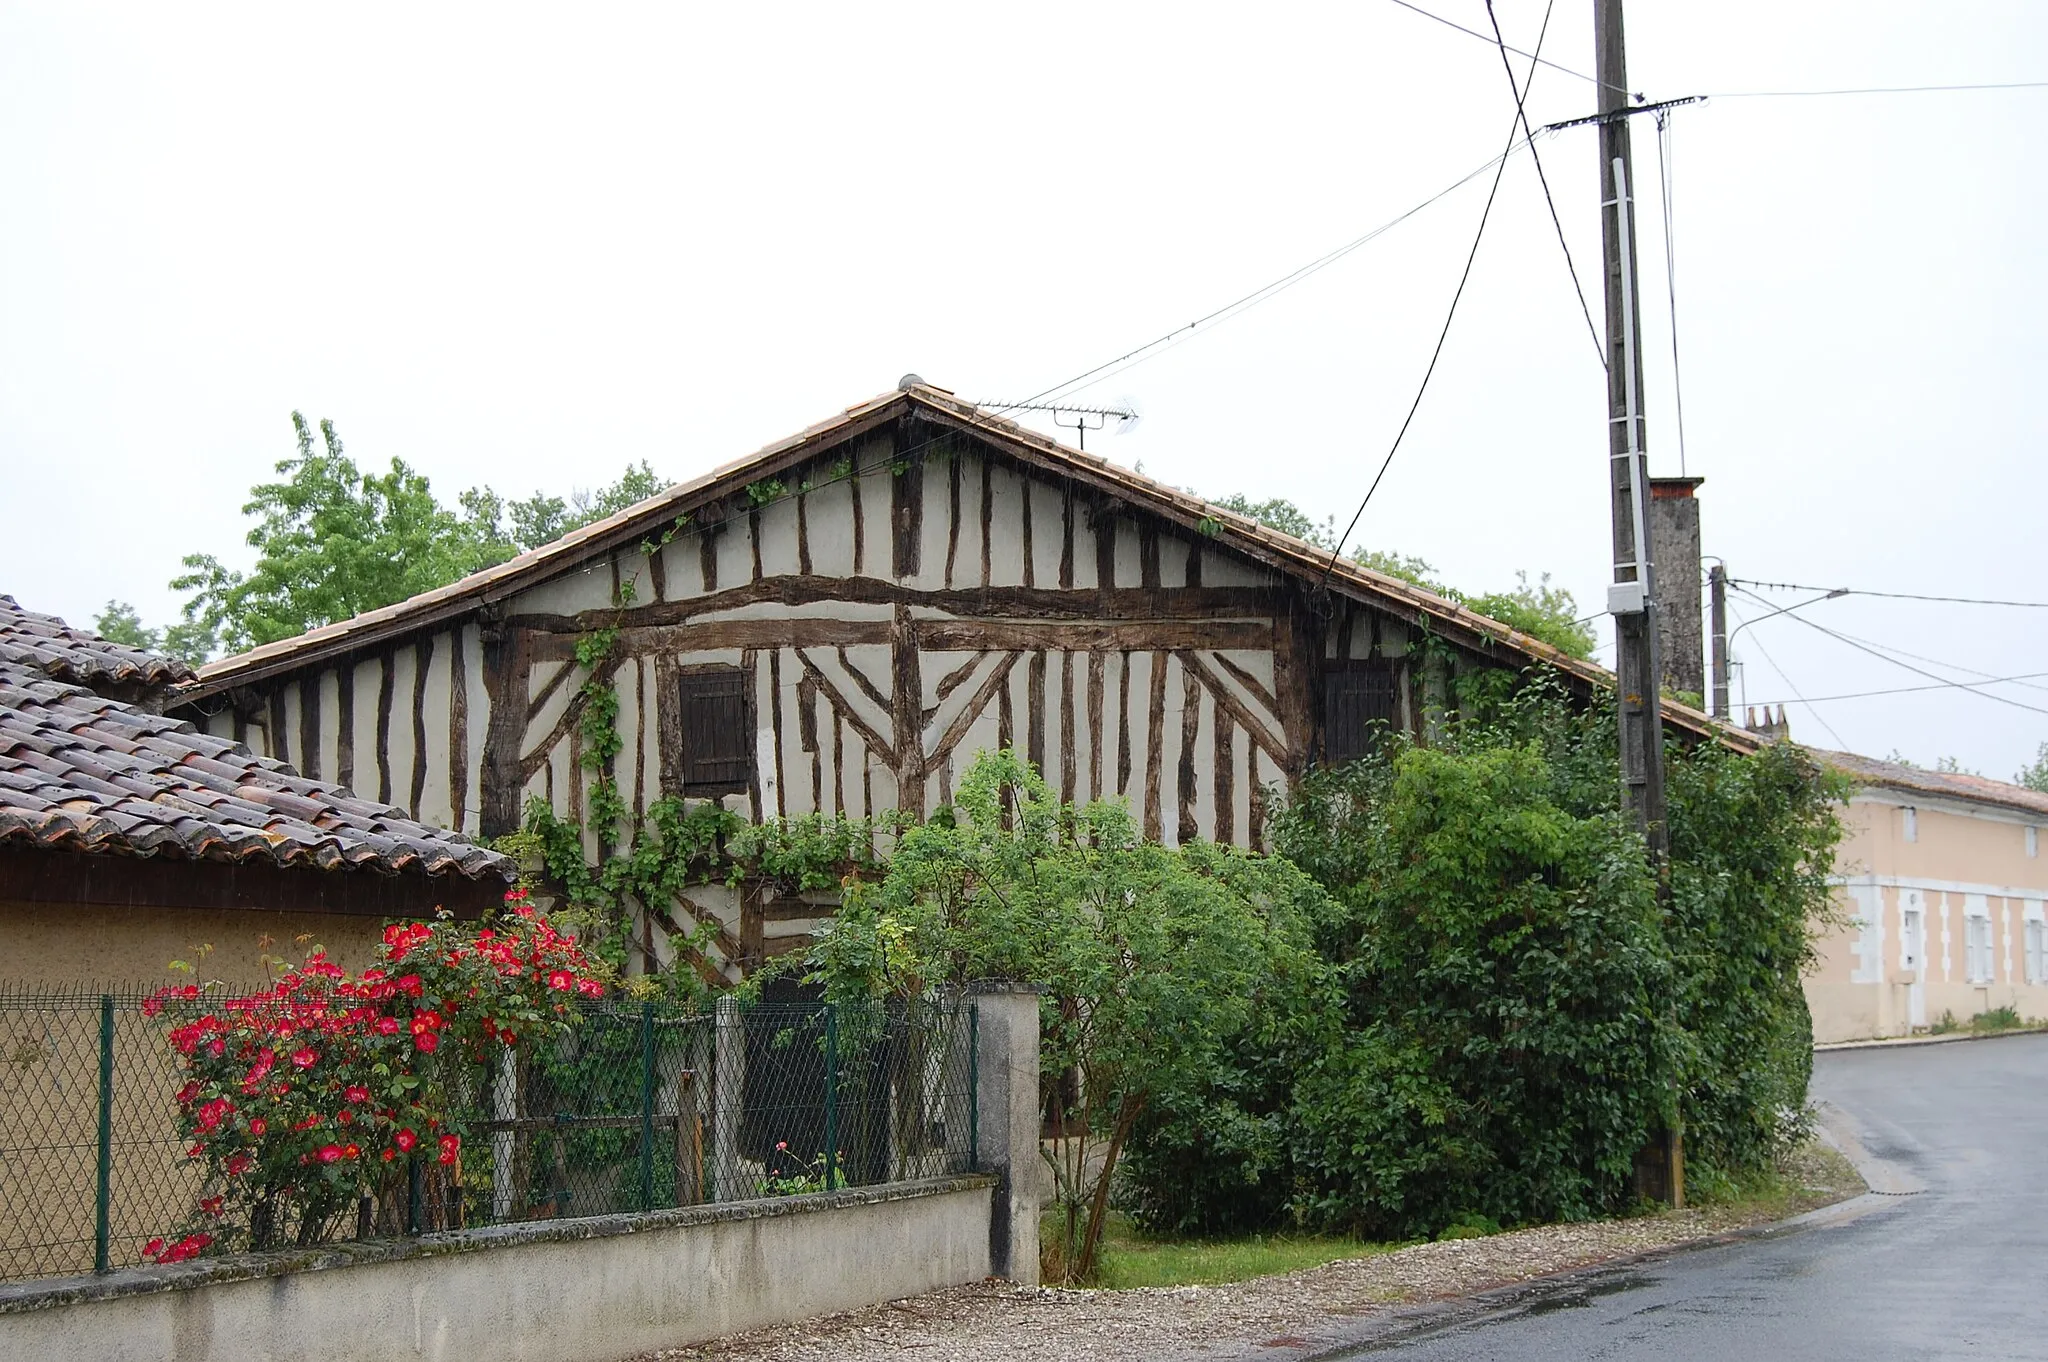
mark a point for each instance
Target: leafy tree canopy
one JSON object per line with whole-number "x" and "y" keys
{"x": 333, "y": 540}
{"x": 120, "y": 623}
{"x": 2034, "y": 775}
{"x": 1539, "y": 610}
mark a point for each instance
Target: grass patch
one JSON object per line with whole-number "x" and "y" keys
{"x": 1815, "y": 1174}
{"x": 1129, "y": 1259}
{"x": 1990, "y": 1023}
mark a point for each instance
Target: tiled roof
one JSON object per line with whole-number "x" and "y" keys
{"x": 82, "y": 772}
{"x": 54, "y": 648}
{"x": 1282, "y": 551}
{"x": 1946, "y": 784}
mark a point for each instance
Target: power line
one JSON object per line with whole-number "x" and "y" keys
{"x": 1473, "y": 32}
{"x": 1910, "y": 690}
{"x": 1888, "y": 595}
{"x": 1742, "y": 94}
{"x": 1500, "y": 168}
{"x": 1917, "y": 671}
{"x": 1934, "y": 661}
{"x": 1109, "y": 368}
{"x": 1523, "y": 113}
{"x": 1792, "y": 686}
{"x": 1875, "y": 89}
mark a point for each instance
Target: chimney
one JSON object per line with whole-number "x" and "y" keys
{"x": 1777, "y": 729}
{"x": 1675, "y": 551}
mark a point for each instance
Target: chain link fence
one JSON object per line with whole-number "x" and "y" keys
{"x": 638, "y": 1106}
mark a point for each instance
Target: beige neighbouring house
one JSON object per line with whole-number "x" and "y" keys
{"x": 1942, "y": 882}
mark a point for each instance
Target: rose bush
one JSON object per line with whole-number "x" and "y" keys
{"x": 303, "y": 1097}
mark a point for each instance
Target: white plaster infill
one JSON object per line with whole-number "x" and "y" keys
{"x": 22, "y": 1297}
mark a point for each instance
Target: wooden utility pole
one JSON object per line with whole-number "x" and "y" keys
{"x": 1632, "y": 600}
{"x": 1717, "y": 588}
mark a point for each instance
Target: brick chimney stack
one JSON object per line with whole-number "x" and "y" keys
{"x": 1675, "y": 549}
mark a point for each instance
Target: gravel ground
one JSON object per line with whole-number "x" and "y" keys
{"x": 996, "y": 1322}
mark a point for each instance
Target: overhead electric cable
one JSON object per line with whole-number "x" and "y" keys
{"x": 1744, "y": 94}
{"x": 1910, "y": 690}
{"x": 1985, "y": 677}
{"x": 1473, "y": 32}
{"x": 1110, "y": 368}
{"x": 1522, "y": 111}
{"x": 1887, "y": 595}
{"x": 1879, "y": 90}
{"x": 1917, "y": 671}
{"x": 1514, "y": 132}
{"x": 1792, "y": 686}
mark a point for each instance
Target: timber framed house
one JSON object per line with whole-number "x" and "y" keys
{"x": 840, "y": 622}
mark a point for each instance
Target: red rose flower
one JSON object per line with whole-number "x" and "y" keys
{"x": 356, "y": 1093}
{"x": 328, "y": 1153}
{"x": 561, "y": 980}
{"x": 305, "y": 1058}
{"x": 387, "y": 1026}
{"x": 450, "y": 1146}
{"x": 239, "y": 1164}
{"x": 257, "y": 1125}
{"x": 405, "y": 1140}
{"x": 351, "y": 1151}
{"x": 426, "y": 1042}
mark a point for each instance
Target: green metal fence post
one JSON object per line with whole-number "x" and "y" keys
{"x": 973, "y": 1087}
{"x": 104, "y": 1192}
{"x": 647, "y": 1105}
{"x": 831, "y": 1096}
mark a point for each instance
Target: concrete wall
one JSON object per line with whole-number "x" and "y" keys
{"x": 588, "y": 1290}
{"x": 87, "y": 945}
{"x": 1950, "y": 864}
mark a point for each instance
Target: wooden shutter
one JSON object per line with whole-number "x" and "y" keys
{"x": 718, "y": 748}
{"x": 1356, "y": 695}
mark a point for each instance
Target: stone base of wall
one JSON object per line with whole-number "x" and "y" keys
{"x": 593, "y": 1289}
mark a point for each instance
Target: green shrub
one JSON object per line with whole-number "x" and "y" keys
{"x": 1510, "y": 1002}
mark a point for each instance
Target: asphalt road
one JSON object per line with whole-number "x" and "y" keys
{"x": 1956, "y": 1269}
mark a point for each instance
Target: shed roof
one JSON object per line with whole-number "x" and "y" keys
{"x": 82, "y": 772}
{"x": 1960, "y": 785}
{"x": 1277, "y": 550}
{"x": 49, "y": 645}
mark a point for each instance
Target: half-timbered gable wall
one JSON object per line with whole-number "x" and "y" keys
{"x": 883, "y": 612}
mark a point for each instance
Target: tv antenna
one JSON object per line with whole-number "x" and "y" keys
{"x": 1085, "y": 418}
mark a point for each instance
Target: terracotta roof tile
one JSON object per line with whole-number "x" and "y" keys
{"x": 82, "y": 772}
{"x": 51, "y": 646}
{"x": 1949, "y": 784}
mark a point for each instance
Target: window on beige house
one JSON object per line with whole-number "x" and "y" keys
{"x": 1911, "y": 820}
{"x": 1977, "y": 948}
{"x": 2036, "y": 946}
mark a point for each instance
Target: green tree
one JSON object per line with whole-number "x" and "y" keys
{"x": 333, "y": 541}
{"x": 1151, "y": 961}
{"x": 119, "y": 622}
{"x": 2035, "y": 775}
{"x": 1541, "y": 611}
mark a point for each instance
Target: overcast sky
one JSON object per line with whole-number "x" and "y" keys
{"x": 523, "y": 246}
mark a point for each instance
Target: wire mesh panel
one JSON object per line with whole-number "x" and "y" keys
{"x": 632, "y": 1106}
{"x": 91, "y": 1164}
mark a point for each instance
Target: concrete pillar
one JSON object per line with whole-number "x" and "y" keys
{"x": 1675, "y": 549}
{"x": 728, "y": 1094}
{"x": 1007, "y": 1125}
